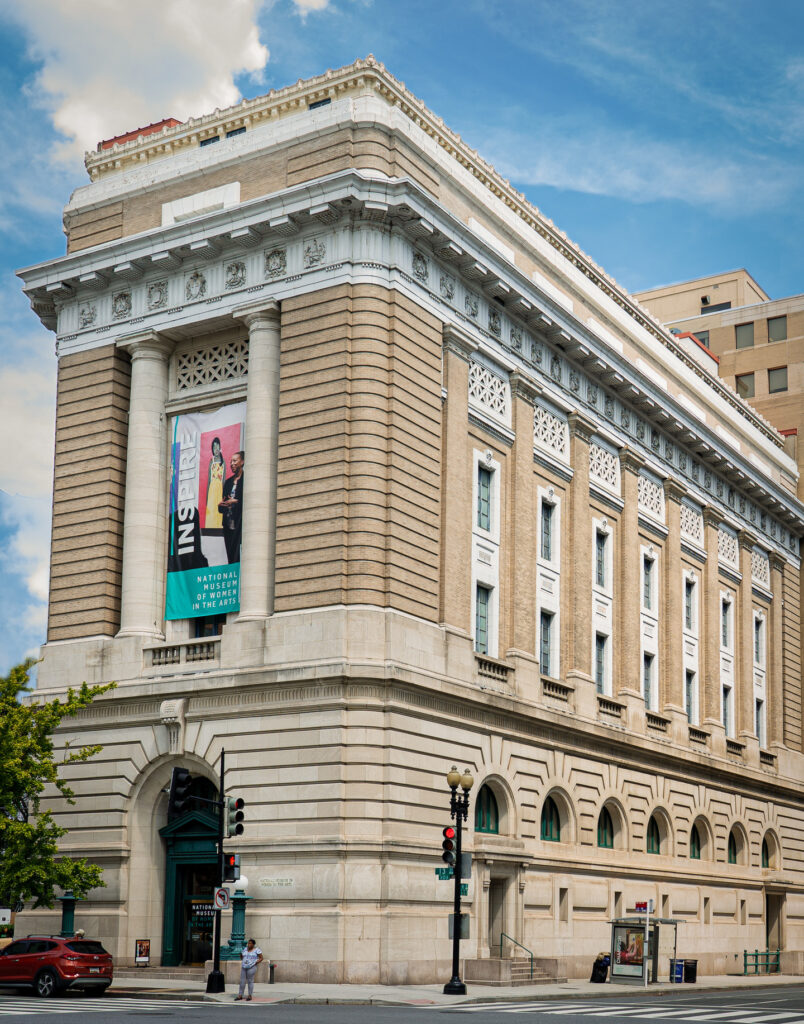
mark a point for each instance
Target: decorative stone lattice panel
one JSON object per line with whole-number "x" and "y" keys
{"x": 604, "y": 467}
{"x": 760, "y": 569}
{"x": 727, "y": 548}
{"x": 488, "y": 390}
{"x": 550, "y": 432}
{"x": 650, "y": 497}
{"x": 692, "y": 524}
{"x": 211, "y": 365}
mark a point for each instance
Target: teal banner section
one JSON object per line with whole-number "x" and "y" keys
{"x": 209, "y": 591}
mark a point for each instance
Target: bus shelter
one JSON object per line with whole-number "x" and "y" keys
{"x": 640, "y": 944}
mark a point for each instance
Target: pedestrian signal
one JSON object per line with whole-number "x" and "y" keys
{"x": 448, "y": 845}
{"x": 235, "y": 816}
{"x": 231, "y": 867}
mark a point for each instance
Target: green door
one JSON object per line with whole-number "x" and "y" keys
{"x": 190, "y": 876}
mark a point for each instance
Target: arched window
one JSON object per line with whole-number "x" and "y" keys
{"x": 732, "y": 851}
{"x": 605, "y": 830}
{"x": 654, "y": 844}
{"x": 551, "y": 822}
{"x": 765, "y": 854}
{"x": 487, "y": 818}
{"x": 695, "y": 843}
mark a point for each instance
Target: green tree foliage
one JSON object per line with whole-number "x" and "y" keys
{"x": 30, "y": 865}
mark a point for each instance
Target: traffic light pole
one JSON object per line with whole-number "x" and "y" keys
{"x": 215, "y": 979}
{"x": 458, "y": 807}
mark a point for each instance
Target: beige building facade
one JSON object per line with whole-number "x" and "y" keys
{"x": 493, "y": 515}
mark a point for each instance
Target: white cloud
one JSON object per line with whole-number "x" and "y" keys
{"x": 303, "y": 7}
{"x": 24, "y": 539}
{"x": 107, "y": 68}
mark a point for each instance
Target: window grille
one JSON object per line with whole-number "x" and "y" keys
{"x": 691, "y": 523}
{"x": 550, "y": 432}
{"x": 604, "y": 467}
{"x": 211, "y": 365}
{"x": 650, "y": 497}
{"x": 727, "y": 548}
{"x": 760, "y": 568}
{"x": 488, "y": 390}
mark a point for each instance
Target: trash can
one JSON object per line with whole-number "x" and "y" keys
{"x": 690, "y": 970}
{"x": 600, "y": 968}
{"x": 676, "y": 971}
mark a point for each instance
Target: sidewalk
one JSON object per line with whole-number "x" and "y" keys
{"x": 432, "y": 995}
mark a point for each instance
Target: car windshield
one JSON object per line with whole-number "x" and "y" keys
{"x": 86, "y": 947}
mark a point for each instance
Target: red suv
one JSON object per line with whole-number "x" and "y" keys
{"x": 50, "y": 964}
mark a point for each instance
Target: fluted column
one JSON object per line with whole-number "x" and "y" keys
{"x": 774, "y": 712}
{"x": 258, "y": 550}
{"x": 145, "y": 511}
{"x": 671, "y": 616}
{"x": 521, "y": 553}
{"x": 456, "y": 485}
{"x": 577, "y": 548}
{"x": 627, "y": 597}
{"x": 710, "y": 631}
{"x": 745, "y": 640}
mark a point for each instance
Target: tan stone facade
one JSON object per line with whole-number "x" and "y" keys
{"x": 517, "y": 528}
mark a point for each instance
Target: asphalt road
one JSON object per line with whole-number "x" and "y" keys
{"x": 773, "y": 1006}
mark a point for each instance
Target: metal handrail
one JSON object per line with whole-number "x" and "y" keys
{"x": 767, "y": 958}
{"x": 503, "y": 935}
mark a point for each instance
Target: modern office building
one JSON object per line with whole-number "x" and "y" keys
{"x": 491, "y": 514}
{"x": 758, "y": 343}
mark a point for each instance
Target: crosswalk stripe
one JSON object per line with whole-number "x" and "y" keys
{"x": 767, "y": 1017}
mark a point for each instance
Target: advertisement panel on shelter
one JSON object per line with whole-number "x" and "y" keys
{"x": 206, "y": 512}
{"x": 628, "y": 950}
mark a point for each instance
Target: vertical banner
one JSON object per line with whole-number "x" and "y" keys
{"x": 206, "y": 512}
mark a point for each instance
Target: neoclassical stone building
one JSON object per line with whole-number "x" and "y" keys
{"x": 492, "y": 514}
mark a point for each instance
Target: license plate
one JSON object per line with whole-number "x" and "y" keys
{"x": 94, "y": 970}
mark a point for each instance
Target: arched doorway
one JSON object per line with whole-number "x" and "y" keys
{"x": 191, "y": 874}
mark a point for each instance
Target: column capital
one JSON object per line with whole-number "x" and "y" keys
{"x": 253, "y": 312}
{"x": 581, "y": 426}
{"x": 711, "y": 516}
{"x": 674, "y": 491}
{"x": 146, "y": 344}
{"x": 631, "y": 460}
{"x": 523, "y": 388}
{"x": 746, "y": 540}
{"x": 458, "y": 342}
{"x": 777, "y": 562}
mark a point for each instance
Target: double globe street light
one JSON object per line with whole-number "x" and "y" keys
{"x": 459, "y": 810}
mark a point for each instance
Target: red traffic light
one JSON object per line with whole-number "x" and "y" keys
{"x": 448, "y": 832}
{"x": 448, "y": 845}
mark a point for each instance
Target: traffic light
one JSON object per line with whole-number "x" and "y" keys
{"x": 448, "y": 845}
{"x": 231, "y": 867}
{"x": 179, "y": 800}
{"x": 235, "y": 816}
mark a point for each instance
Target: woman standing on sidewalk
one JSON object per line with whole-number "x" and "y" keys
{"x": 250, "y": 957}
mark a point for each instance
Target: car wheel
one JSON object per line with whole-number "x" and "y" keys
{"x": 46, "y": 984}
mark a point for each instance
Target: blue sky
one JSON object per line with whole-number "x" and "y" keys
{"x": 665, "y": 139}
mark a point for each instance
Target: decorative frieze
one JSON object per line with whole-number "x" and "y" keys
{"x": 604, "y": 467}
{"x": 551, "y": 433}
{"x": 420, "y": 269}
{"x": 157, "y": 295}
{"x": 196, "y": 286}
{"x": 121, "y": 305}
{"x": 276, "y": 263}
{"x": 315, "y": 253}
{"x": 488, "y": 390}
{"x": 650, "y": 497}
{"x": 211, "y": 365}
{"x": 235, "y": 274}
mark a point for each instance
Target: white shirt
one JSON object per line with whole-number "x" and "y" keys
{"x": 250, "y": 956}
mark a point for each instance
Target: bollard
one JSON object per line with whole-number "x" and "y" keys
{"x": 271, "y": 968}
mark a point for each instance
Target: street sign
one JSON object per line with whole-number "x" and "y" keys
{"x": 221, "y": 898}
{"x": 464, "y": 888}
{"x": 641, "y": 908}
{"x": 444, "y": 874}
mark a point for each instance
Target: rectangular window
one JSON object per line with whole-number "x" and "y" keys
{"x": 744, "y": 335}
{"x": 689, "y": 603}
{"x": 319, "y": 103}
{"x": 727, "y": 709}
{"x": 647, "y": 582}
{"x": 689, "y": 693}
{"x": 545, "y": 642}
{"x": 235, "y": 131}
{"x": 209, "y": 142}
{"x": 483, "y": 606}
{"x": 715, "y": 307}
{"x": 744, "y": 384}
{"x": 777, "y": 328}
{"x": 483, "y": 498}
{"x": 725, "y": 631}
{"x": 600, "y": 661}
{"x": 759, "y": 715}
{"x": 600, "y": 558}
{"x": 647, "y": 680}
{"x": 758, "y": 644}
{"x": 703, "y": 337}
{"x": 777, "y": 380}
{"x": 547, "y": 531}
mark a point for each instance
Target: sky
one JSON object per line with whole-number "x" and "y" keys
{"x": 666, "y": 139}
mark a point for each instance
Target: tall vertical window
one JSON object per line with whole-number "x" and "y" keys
{"x": 647, "y": 680}
{"x": 695, "y": 843}
{"x": 689, "y": 693}
{"x": 647, "y": 582}
{"x": 600, "y": 558}
{"x": 765, "y": 854}
{"x": 744, "y": 335}
{"x": 727, "y": 709}
{"x": 605, "y": 830}
{"x": 725, "y": 630}
{"x": 689, "y": 604}
{"x": 551, "y": 822}
{"x": 482, "y": 610}
{"x": 654, "y": 839}
{"x": 600, "y": 662}
{"x": 545, "y": 642}
{"x": 759, "y": 721}
{"x": 759, "y": 637}
{"x": 483, "y": 498}
{"x": 732, "y": 849}
{"x": 547, "y": 531}
{"x": 487, "y": 817}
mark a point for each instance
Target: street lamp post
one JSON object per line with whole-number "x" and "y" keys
{"x": 459, "y": 810}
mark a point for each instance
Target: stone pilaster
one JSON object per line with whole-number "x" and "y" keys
{"x": 774, "y": 710}
{"x": 711, "y": 625}
{"x": 744, "y": 724}
{"x": 258, "y": 558}
{"x": 456, "y": 483}
{"x": 670, "y": 622}
{"x": 520, "y": 557}
{"x": 627, "y": 593}
{"x": 145, "y": 517}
